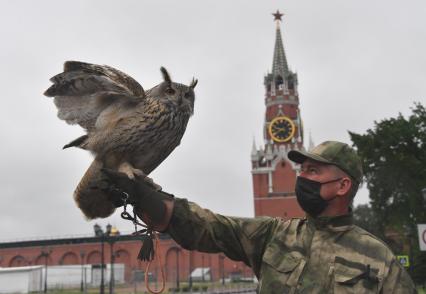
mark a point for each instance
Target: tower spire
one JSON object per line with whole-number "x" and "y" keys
{"x": 274, "y": 176}
{"x": 279, "y": 64}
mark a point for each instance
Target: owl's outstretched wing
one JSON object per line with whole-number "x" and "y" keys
{"x": 83, "y": 90}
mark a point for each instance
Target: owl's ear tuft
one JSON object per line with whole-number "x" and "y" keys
{"x": 193, "y": 83}
{"x": 166, "y": 75}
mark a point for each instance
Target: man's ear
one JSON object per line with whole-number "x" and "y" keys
{"x": 345, "y": 186}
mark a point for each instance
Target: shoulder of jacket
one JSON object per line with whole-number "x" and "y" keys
{"x": 272, "y": 224}
{"x": 252, "y": 227}
{"x": 369, "y": 236}
{"x": 287, "y": 227}
{"x": 371, "y": 242}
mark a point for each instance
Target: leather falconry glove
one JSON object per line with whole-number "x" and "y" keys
{"x": 144, "y": 195}
{"x": 146, "y": 198}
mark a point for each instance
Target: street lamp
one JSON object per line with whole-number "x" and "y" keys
{"x": 177, "y": 268}
{"x": 222, "y": 265}
{"x": 100, "y": 233}
{"x": 190, "y": 270}
{"x": 82, "y": 254}
{"x": 45, "y": 253}
{"x": 202, "y": 268}
{"x": 111, "y": 244}
{"x": 113, "y": 256}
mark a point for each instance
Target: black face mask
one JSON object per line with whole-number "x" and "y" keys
{"x": 308, "y": 195}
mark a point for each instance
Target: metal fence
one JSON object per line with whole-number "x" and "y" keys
{"x": 90, "y": 278}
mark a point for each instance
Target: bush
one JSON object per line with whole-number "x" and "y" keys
{"x": 195, "y": 288}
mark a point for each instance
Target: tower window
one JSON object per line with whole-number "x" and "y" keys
{"x": 279, "y": 82}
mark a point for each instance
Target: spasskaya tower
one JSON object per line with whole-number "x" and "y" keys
{"x": 274, "y": 176}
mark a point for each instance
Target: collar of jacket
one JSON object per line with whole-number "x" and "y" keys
{"x": 337, "y": 223}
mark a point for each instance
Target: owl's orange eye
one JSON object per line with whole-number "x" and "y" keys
{"x": 170, "y": 91}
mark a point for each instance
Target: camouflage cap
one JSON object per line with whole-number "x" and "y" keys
{"x": 332, "y": 152}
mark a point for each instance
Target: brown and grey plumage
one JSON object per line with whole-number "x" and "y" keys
{"x": 127, "y": 129}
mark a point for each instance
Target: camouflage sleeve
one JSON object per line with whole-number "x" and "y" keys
{"x": 241, "y": 239}
{"x": 398, "y": 281}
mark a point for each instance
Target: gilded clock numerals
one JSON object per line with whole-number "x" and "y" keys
{"x": 281, "y": 129}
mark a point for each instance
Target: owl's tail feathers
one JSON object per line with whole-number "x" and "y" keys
{"x": 93, "y": 202}
{"x": 79, "y": 142}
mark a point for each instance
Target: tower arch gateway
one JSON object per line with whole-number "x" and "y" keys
{"x": 274, "y": 176}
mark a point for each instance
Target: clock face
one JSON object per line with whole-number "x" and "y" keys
{"x": 281, "y": 129}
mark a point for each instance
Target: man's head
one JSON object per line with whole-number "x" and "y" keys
{"x": 333, "y": 168}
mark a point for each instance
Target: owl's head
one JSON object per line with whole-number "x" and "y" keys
{"x": 182, "y": 95}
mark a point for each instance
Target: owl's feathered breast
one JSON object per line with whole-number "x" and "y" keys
{"x": 145, "y": 136}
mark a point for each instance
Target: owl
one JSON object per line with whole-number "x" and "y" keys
{"x": 127, "y": 129}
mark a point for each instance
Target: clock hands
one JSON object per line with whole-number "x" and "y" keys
{"x": 281, "y": 129}
{"x": 275, "y": 128}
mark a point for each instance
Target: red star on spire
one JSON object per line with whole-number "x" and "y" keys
{"x": 277, "y": 15}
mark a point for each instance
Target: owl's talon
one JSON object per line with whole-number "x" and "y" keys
{"x": 130, "y": 171}
{"x": 138, "y": 172}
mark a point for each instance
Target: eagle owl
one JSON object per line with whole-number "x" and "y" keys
{"x": 127, "y": 128}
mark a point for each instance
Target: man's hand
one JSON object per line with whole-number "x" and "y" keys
{"x": 143, "y": 194}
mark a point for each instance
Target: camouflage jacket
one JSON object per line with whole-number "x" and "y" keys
{"x": 323, "y": 255}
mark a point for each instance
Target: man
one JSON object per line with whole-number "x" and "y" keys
{"x": 321, "y": 253}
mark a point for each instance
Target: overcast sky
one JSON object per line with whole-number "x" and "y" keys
{"x": 357, "y": 62}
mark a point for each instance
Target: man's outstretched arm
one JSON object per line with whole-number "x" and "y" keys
{"x": 195, "y": 228}
{"x": 241, "y": 239}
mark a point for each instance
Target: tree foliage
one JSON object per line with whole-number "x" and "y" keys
{"x": 365, "y": 218}
{"x": 394, "y": 164}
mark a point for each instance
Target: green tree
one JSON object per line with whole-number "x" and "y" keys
{"x": 365, "y": 218}
{"x": 394, "y": 163}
